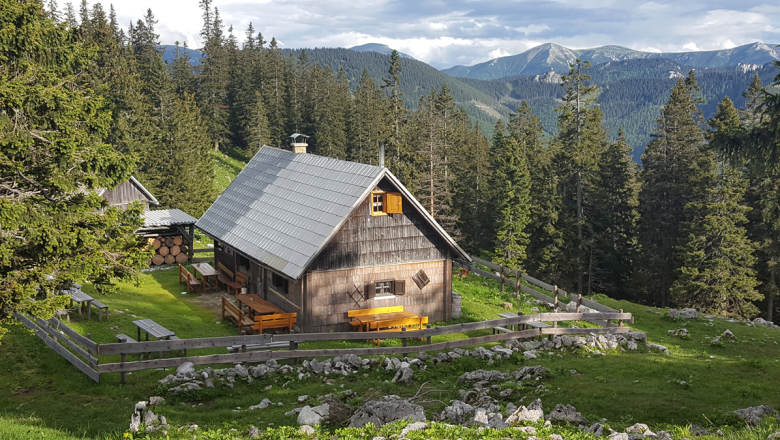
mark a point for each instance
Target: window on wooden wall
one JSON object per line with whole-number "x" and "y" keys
{"x": 383, "y": 203}
{"x": 385, "y": 289}
{"x": 279, "y": 283}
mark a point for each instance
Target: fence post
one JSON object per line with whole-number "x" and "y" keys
{"x": 243, "y": 348}
{"x": 403, "y": 342}
{"x": 293, "y": 346}
{"x": 428, "y": 339}
{"x": 555, "y": 304}
{"x": 517, "y": 285}
{"x": 620, "y": 321}
{"x": 579, "y": 303}
{"x": 124, "y": 373}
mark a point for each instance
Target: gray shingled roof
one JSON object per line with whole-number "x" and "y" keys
{"x": 167, "y": 217}
{"x": 282, "y": 208}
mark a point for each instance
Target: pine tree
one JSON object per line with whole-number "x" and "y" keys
{"x": 256, "y": 132}
{"x": 669, "y": 180}
{"x": 70, "y": 15}
{"x": 514, "y": 200}
{"x": 471, "y": 188}
{"x": 401, "y": 159}
{"x": 214, "y": 77}
{"x": 615, "y": 219}
{"x": 545, "y": 244}
{"x": 181, "y": 71}
{"x": 56, "y": 229}
{"x": 716, "y": 274}
{"x": 273, "y": 93}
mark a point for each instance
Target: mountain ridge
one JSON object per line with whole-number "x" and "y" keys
{"x": 553, "y": 57}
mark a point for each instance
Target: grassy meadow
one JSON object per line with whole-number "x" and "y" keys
{"x": 43, "y": 396}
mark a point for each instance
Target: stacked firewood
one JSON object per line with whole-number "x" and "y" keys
{"x": 169, "y": 250}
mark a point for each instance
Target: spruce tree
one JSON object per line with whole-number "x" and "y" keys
{"x": 669, "y": 179}
{"x": 401, "y": 154}
{"x": 56, "y": 229}
{"x": 367, "y": 123}
{"x": 471, "y": 188}
{"x": 181, "y": 71}
{"x": 513, "y": 206}
{"x": 214, "y": 77}
{"x": 716, "y": 274}
{"x": 615, "y": 219}
{"x": 545, "y": 242}
{"x": 581, "y": 139}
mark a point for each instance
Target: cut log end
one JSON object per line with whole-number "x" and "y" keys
{"x": 178, "y": 240}
{"x": 175, "y": 250}
{"x": 181, "y": 258}
{"x": 169, "y": 242}
{"x": 170, "y": 259}
{"x": 156, "y": 243}
{"x": 158, "y": 260}
{"x": 164, "y": 250}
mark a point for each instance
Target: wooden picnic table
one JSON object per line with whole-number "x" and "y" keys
{"x": 257, "y": 305}
{"x": 207, "y": 273}
{"x": 370, "y": 319}
{"x": 79, "y": 297}
{"x": 152, "y": 328}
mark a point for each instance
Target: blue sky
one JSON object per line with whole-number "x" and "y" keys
{"x": 447, "y": 33}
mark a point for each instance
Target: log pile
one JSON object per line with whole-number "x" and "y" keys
{"x": 169, "y": 250}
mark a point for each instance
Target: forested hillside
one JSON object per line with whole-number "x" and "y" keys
{"x": 631, "y": 93}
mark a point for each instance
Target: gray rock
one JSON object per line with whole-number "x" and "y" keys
{"x": 416, "y": 426}
{"x": 774, "y": 436}
{"x": 684, "y": 313}
{"x": 185, "y": 368}
{"x": 637, "y": 336}
{"x": 660, "y": 348}
{"x": 556, "y": 437}
{"x": 316, "y": 366}
{"x": 302, "y": 399}
{"x": 753, "y": 415}
{"x": 619, "y": 436}
{"x": 156, "y": 400}
{"x": 265, "y": 403}
{"x": 306, "y": 429}
{"x": 457, "y": 413}
{"x": 597, "y": 430}
{"x": 313, "y": 415}
{"x": 697, "y": 430}
{"x": 380, "y": 412}
{"x": 728, "y": 335}
{"x": 253, "y": 432}
{"x": 664, "y": 435}
{"x": 524, "y": 414}
{"x": 404, "y": 375}
{"x": 526, "y": 429}
{"x": 679, "y": 333}
{"x": 637, "y": 428}
{"x": 530, "y": 354}
{"x": 505, "y": 393}
{"x": 241, "y": 371}
{"x": 480, "y": 375}
{"x": 566, "y": 414}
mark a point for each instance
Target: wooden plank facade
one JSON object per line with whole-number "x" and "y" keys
{"x": 126, "y": 193}
{"x": 365, "y": 250}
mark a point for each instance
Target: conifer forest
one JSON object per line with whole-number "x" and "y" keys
{"x": 695, "y": 224}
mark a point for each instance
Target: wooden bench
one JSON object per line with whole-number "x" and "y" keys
{"x": 227, "y": 278}
{"x": 376, "y": 311}
{"x": 236, "y": 315}
{"x": 185, "y": 277}
{"x": 124, "y": 338}
{"x": 281, "y": 320}
{"x": 100, "y": 306}
{"x": 394, "y": 325}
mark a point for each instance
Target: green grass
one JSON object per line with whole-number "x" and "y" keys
{"x": 229, "y": 162}
{"x": 42, "y": 395}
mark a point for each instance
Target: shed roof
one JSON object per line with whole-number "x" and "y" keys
{"x": 167, "y": 217}
{"x": 283, "y": 208}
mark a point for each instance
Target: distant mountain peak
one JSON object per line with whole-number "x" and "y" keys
{"x": 553, "y": 57}
{"x": 377, "y": 47}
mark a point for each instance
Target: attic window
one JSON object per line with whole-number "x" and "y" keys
{"x": 383, "y": 203}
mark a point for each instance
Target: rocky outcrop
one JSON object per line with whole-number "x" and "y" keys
{"x": 755, "y": 414}
{"x": 390, "y": 409}
{"x": 313, "y": 415}
{"x": 566, "y": 414}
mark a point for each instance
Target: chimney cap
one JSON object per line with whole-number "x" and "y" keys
{"x": 296, "y": 135}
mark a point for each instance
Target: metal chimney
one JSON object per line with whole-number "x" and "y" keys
{"x": 381, "y": 155}
{"x": 299, "y": 146}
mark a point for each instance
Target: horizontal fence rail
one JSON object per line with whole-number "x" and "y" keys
{"x": 526, "y": 277}
{"x": 51, "y": 337}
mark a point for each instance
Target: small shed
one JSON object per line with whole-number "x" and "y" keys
{"x": 128, "y": 192}
{"x": 171, "y": 232}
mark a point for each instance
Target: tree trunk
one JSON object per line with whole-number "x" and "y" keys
{"x": 579, "y": 231}
{"x": 501, "y": 276}
{"x": 770, "y": 300}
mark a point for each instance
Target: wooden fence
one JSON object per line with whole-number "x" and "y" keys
{"x": 128, "y": 348}
{"x": 55, "y": 333}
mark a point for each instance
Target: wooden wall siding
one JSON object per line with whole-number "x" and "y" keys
{"x": 124, "y": 194}
{"x": 328, "y": 299}
{"x": 222, "y": 257}
{"x": 365, "y": 240}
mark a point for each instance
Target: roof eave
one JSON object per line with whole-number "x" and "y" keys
{"x": 144, "y": 190}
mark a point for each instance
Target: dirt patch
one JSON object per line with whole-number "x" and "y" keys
{"x": 209, "y": 301}
{"x": 30, "y": 391}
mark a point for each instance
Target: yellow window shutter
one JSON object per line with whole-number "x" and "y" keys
{"x": 394, "y": 203}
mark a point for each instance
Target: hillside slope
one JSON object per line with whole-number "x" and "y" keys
{"x": 552, "y": 57}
